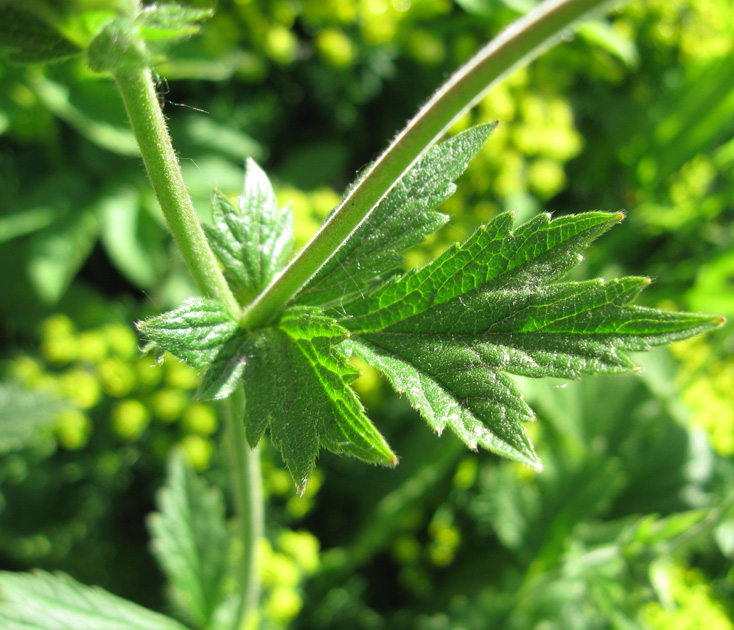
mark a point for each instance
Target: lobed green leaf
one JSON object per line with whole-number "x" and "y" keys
{"x": 297, "y": 383}
{"x": 447, "y": 334}
{"x": 252, "y": 240}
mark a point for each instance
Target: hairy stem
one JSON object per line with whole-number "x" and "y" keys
{"x": 149, "y": 126}
{"x": 138, "y": 93}
{"x": 520, "y": 43}
{"x": 248, "y": 501}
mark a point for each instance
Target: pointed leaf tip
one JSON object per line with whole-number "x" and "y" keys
{"x": 252, "y": 239}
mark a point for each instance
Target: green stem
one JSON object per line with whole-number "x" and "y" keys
{"x": 143, "y": 109}
{"x": 141, "y": 102}
{"x": 248, "y": 500}
{"x": 520, "y": 43}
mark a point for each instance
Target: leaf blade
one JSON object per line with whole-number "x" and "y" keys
{"x": 444, "y": 404}
{"x": 449, "y": 334}
{"x": 194, "y": 332}
{"x": 402, "y": 219}
{"x": 29, "y": 39}
{"x": 44, "y": 601}
{"x": 297, "y": 384}
{"x": 59, "y": 251}
{"x": 191, "y": 542}
{"x": 252, "y": 240}
{"x": 494, "y": 256}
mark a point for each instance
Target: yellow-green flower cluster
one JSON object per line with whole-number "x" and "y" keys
{"x": 419, "y": 547}
{"x": 445, "y": 539}
{"x": 709, "y": 391}
{"x": 692, "y": 604}
{"x": 333, "y": 32}
{"x": 284, "y": 566}
{"x": 115, "y": 390}
{"x": 536, "y": 136}
{"x": 310, "y": 209}
{"x": 691, "y": 198}
{"x": 699, "y": 29}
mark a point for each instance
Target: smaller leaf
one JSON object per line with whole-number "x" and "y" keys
{"x": 130, "y": 238}
{"x": 297, "y": 383}
{"x": 23, "y": 414}
{"x": 195, "y": 332}
{"x": 25, "y": 221}
{"x": 166, "y": 22}
{"x": 252, "y": 240}
{"x": 30, "y": 39}
{"x": 42, "y": 601}
{"x": 191, "y": 542}
{"x": 91, "y": 109}
{"x": 402, "y": 219}
{"x": 58, "y": 252}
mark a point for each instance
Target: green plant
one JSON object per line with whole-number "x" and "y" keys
{"x": 274, "y": 337}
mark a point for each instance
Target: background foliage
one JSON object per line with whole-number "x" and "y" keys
{"x": 630, "y": 525}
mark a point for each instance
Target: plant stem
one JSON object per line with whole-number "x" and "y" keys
{"x": 138, "y": 94}
{"x": 149, "y": 126}
{"x": 520, "y": 43}
{"x": 248, "y": 500}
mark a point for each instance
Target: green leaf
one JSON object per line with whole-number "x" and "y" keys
{"x": 92, "y": 108}
{"x": 195, "y": 332}
{"x": 25, "y": 221}
{"x": 252, "y": 240}
{"x": 296, "y": 382}
{"x": 59, "y": 251}
{"x": 130, "y": 238}
{"x": 166, "y": 22}
{"x": 191, "y": 542}
{"x": 28, "y": 38}
{"x": 402, "y": 219}
{"x": 448, "y": 334}
{"x": 23, "y": 414}
{"x": 42, "y": 601}
{"x": 481, "y": 406}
